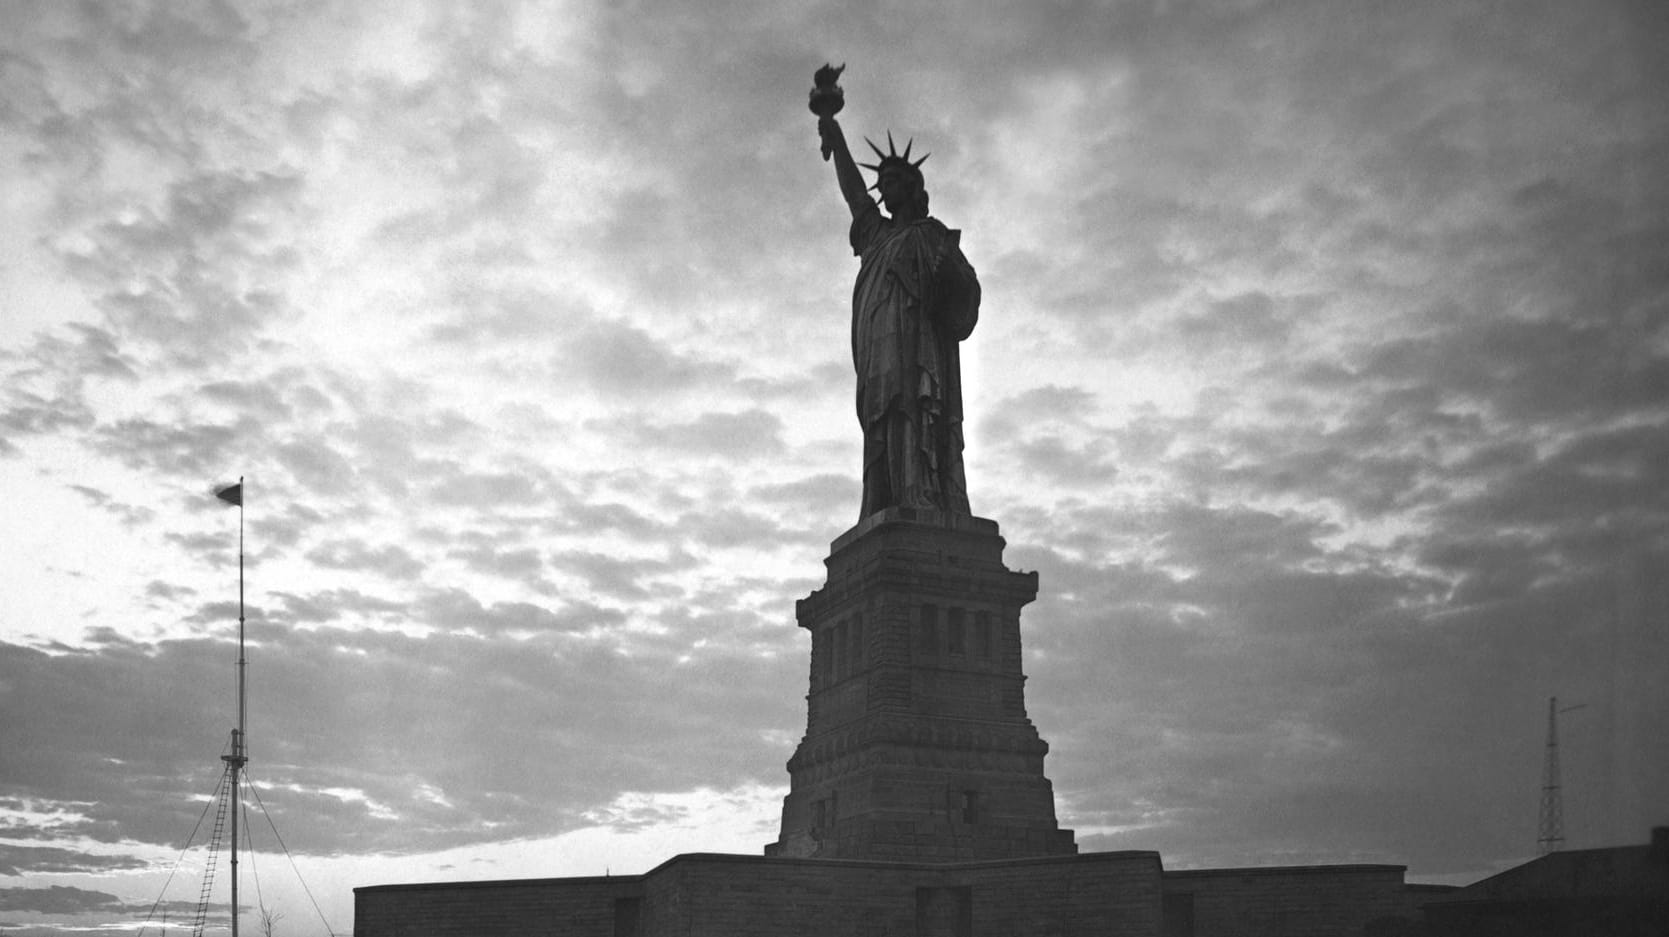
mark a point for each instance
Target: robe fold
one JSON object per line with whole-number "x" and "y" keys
{"x": 916, "y": 297}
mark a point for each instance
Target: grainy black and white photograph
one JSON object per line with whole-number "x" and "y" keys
{"x": 1140, "y": 467}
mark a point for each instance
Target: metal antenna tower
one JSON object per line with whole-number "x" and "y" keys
{"x": 1551, "y": 837}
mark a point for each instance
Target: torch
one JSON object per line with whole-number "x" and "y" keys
{"x": 826, "y": 97}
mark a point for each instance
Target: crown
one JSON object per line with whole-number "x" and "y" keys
{"x": 892, "y": 159}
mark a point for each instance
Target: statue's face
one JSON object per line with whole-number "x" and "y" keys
{"x": 898, "y": 192}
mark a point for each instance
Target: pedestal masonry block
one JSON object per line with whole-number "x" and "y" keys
{"x": 917, "y": 744}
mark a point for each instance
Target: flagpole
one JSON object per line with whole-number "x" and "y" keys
{"x": 242, "y": 663}
{"x": 237, "y": 759}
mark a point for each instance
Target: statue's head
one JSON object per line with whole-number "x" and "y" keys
{"x": 901, "y": 185}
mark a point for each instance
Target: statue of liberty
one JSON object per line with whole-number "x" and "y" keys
{"x": 916, "y": 297}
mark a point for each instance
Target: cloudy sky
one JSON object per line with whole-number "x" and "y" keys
{"x": 1322, "y": 375}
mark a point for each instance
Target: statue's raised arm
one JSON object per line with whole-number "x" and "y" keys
{"x": 915, "y": 299}
{"x": 826, "y": 100}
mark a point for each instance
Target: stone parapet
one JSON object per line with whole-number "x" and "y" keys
{"x": 1114, "y": 893}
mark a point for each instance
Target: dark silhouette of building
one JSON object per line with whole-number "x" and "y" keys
{"x": 1622, "y": 891}
{"x": 918, "y": 803}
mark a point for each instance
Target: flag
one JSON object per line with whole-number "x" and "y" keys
{"x": 231, "y": 494}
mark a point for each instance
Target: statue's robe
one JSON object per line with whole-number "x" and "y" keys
{"x": 915, "y": 299}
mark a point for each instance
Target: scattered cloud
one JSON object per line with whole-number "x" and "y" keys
{"x": 1321, "y": 377}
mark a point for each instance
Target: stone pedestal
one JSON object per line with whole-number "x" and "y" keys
{"x": 917, "y": 744}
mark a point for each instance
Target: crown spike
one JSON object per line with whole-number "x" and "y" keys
{"x": 907, "y": 144}
{"x": 892, "y": 149}
{"x": 870, "y": 166}
{"x": 917, "y": 163}
{"x": 878, "y": 153}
